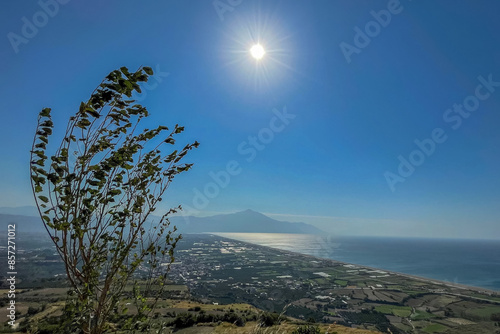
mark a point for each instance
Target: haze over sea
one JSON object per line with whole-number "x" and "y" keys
{"x": 469, "y": 262}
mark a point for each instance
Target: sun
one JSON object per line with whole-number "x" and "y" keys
{"x": 257, "y": 51}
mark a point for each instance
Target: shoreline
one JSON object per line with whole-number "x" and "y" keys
{"x": 419, "y": 278}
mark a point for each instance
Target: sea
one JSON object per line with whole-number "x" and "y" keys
{"x": 469, "y": 262}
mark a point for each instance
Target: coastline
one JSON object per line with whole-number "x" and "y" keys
{"x": 418, "y": 278}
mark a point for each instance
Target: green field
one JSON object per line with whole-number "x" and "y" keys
{"x": 400, "y": 311}
{"x": 435, "y": 328}
{"x": 420, "y": 315}
{"x": 340, "y": 282}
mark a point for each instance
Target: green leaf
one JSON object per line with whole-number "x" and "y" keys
{"x": 47, "y": 123}
{"x": 148, "y": 70}
{"x": 84, "y": 108}
{"x": 47, "y": 130}
{"x": 124, "y": 70}
{"x": 43, "y": 199}
{"x": 93, "y": 183}
{"x": 83, "y": 123}
{"x": 45, "y": 112}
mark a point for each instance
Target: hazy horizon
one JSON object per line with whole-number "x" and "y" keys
{"x": 32, "y": 211}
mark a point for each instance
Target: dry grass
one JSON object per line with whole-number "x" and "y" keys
{"x": 284, "y": 328}
{"x": 184, "y": 304}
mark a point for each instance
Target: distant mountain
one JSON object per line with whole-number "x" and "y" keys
{"x": 248, "y": 221}
{"x": 240, "y": 222}
{"x": 20, "y": 210}
{"x": 23, "y": 223}
{"x": 26, "y": 219}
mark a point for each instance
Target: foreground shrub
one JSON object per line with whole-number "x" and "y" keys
{"x": 307, "y": 329}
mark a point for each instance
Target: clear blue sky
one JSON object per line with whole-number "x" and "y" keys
{"x": 358, "y": 105}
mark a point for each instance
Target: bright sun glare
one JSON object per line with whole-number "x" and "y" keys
{"x": 257, "y": 51}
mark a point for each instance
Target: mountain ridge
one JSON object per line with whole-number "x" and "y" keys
{"x": 247, "y": 221}
{"x": 23, "y": 223}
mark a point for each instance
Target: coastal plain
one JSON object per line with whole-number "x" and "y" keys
{"x": 226, "y": 271}
{"x": 212, "y": 273}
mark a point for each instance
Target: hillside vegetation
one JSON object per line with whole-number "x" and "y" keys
{"x": 40, "y": 309}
